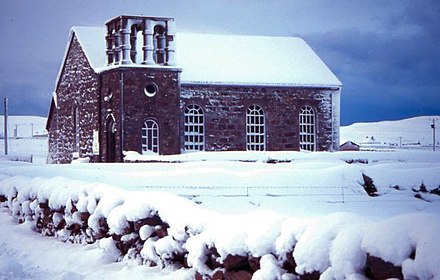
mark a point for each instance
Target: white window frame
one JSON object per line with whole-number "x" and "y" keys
{"x": 150, "y": 137}
{"x": 255, "y": 128}
{"x": 194, "y": 128}
{"x": 307, "y": 129}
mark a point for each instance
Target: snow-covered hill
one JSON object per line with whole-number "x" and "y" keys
{"x": 27, "y": 138}
{"x": 413, "y": 133}
{"x": 24, "y": 126}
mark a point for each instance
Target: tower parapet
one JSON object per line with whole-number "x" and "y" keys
{"x": 158, "y": 40}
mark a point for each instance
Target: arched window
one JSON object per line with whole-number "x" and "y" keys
{"x": 150, "y": 137}
{"x": 76, "y": 128}
{"x": 194, "y": 128}
{"x": 255, "y": 129}
{"x": 307, "y": 133}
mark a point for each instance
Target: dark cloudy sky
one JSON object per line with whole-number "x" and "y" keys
{"x": 385, "y": 52}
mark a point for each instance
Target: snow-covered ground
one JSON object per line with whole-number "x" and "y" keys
{"x": 24, "y": 254}
{"x": 313, "y": 200}
{"x": 24, "y": 126}
{"x": 27, "y": 138}
{"x": 301, "y": 184}
{"x": 413, "y": 133}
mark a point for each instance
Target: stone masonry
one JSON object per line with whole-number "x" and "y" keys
{"x": 78, "y": 87}
{"x": 225, "y": 109}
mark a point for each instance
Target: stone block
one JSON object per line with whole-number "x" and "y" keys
{"x": 377, "y": 268}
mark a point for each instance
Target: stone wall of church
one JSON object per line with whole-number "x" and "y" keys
{"x": 225, "y": 114}
{"x": 53, "y": 154}
{"x": 161, "y": 104}
{"x": 110, "y": 112}
{"x": 77, "y": 88}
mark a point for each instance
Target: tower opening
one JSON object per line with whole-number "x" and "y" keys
{"x": 140, "y": 40}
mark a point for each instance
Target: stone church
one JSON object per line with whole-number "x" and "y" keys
{"x": 138, "y": 85}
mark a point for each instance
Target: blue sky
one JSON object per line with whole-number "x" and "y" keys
{"x": 386, "y": 53}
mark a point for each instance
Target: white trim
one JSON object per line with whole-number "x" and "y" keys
{"x": 255, "y": 128}
{"x": 102, "y": 69}
{"x": 150, "y": 137}
{"x": 194, "y": 128}
{"x": 307, "y": 129}
{"x": 336, "y": 118}
{"x": 327, "y": 86}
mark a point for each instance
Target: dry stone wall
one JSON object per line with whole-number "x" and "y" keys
{"x": 142, "y": 228}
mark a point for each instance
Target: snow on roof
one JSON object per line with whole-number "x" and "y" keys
{"x": 230, "y": 59}
{"x": 236, "y": 59}
{"x": 92, "y": 39}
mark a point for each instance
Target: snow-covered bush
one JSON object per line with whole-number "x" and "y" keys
{"x": 161, "y": 229}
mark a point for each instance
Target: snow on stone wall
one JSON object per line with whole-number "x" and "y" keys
{"x": 161, "y": 229}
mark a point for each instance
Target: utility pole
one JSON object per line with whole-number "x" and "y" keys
{"x": 433, "y": 134}
{"x": 6, "y": 124}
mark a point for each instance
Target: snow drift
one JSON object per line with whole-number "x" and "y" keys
{"x": 161, "y": 229}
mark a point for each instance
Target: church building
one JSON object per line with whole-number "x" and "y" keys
{"x": 138, "y": 85}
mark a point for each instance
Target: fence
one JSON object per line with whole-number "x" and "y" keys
{"x": 317, "y": 194}
{"x": 17, "y": 158}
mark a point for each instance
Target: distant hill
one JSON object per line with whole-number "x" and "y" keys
{"x": 24, "y": 126}
{"x": 410, "y": 132}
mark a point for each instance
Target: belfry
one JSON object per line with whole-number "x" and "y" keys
{"x": 158, "y": 40}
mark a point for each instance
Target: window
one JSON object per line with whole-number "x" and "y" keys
{"x": 150, "y": 89}
{"x": 194, "y": 128}
{"x": 307, "y": 137}
{"x": 150, "y": 137}
{"x": 255, "y": 129}
{"x": 76, "y": 128}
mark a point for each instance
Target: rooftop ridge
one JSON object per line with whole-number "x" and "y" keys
{"x": 210, "y": 58}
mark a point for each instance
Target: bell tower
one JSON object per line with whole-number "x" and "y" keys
{"x": 158, "y": 40}
{"x": 140, "y": 87}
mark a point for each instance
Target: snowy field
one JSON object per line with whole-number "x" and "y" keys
{"x": 414, "y": 133}
{"x": 27, "y": 138}
{"x": 260, "y": 203}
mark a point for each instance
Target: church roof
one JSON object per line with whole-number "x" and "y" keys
{"x": 230, "y": 59}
